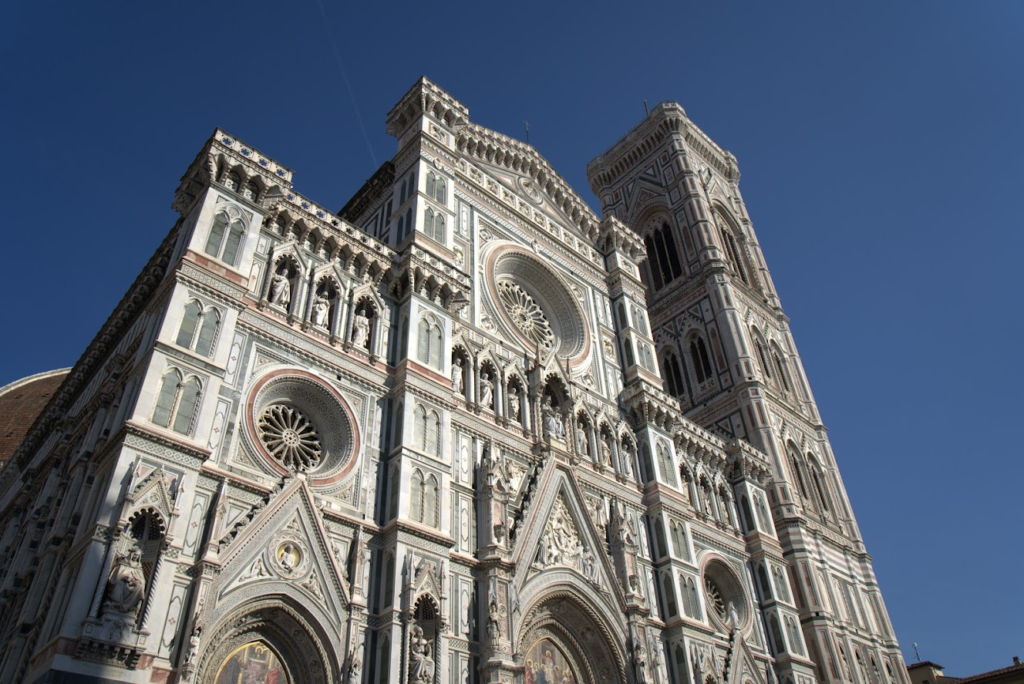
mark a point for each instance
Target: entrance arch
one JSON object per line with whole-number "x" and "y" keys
{"x": 272, "y": 640}
{"x": 561, "y": 631}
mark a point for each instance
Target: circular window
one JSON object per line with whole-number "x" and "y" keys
{"x": 290, "y": 437}
{"x": 534, "y": 304}
{"x": 300, "y": 424}
{"x": 724, "y": 596}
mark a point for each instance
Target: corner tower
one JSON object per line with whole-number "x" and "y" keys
{"x": 727, "y": 355}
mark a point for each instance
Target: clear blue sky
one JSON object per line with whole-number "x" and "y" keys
{"x": 880, "y": 146}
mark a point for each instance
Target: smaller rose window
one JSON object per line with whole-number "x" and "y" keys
{"x": 525, "y": 313}
{"x": 290, "y": 437}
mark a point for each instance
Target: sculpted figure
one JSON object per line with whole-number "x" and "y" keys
{"x": 513, "y": 403}
{"x": 421, "y": 662}
{"x": 321, "y": 308}
{"x": 280, "y": 290}
{"x": 553, "y": 427}
{"x": 582, "y": 444}
{"x": 360, "y": 329}
{"x": 126, "y": 585}
{"x": 627, "y": 462}
{"x": 606, "y": 452}
{"x": 486, "y": 391}
{"x": 458, "y": 385}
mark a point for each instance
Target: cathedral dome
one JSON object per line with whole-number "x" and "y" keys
{"x": 21, "y": 402}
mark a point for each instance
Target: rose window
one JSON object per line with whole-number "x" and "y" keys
{"x": 714, "y": 598}
{"x": 525, "y": 313}
{"x": 290, "y": 437}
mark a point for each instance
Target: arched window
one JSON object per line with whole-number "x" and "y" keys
{"x": 440, "y": 233}
{"x": 189, "y": 323}
{"x": 777, "y": 640}
{"x": 734, "y": 254}
{"x": 652, "y": 263}
{"x": 231, "y": 181}
{"x": 665, "y": 465}
{"x": 401, "y": 195}
{"x": 748, "y": 516}
{"x": 798, "y": 475}
{"x": 679, "y": 540}
{"x": 699, "y": 355}
{"x": 766, "y": 586}
{"x": 177, "y": 402}
{"x": 436, "y": 188}
{"x": 225, "y": 238}
{"x": 647, "y": 463}
{"x": 641, "y": 324}
{"x": 399, "y": 233}
{"x": 763, "y": 358}
{"x": 673, "y": 251}
{"x": 428, "y": 222}
{"x": 659, "y": 534}
{"x": 673, "y": 376}
{"x": 416, "y": 496}
{"x": 781, "y": 369}
{"x": 430, "y": 501}
{"x": 670, "y": 595}
{"x": 208, "y": 332}
{"x": 820, "y": 486}
{"x": 205, "y": 321}
{"x": 430, "y": 339}
{"x": 251, "y": 191}
{"x": 628, "y": 346}
{"x": 780, "y": 583}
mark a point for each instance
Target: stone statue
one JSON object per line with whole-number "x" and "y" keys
{"x": 627, "y": 461}
{"x": 193, "y": 645}
{"x": 280, "y": 290}
{"x": 421, "y": 661}
{"x": 321, "y": 307}
{"x": 360, "y": 329}
{"x": 734, "y": 617}
{"x": 553, "y": 427}
{"x": 458, "y": 385}
{"x": 355, "y": 667}
{"x": 486, "y": 391}
{"x": 513, "y": 403}
{"x": 126, "y": 585}
{"x": 606, "y": 452}
{"x": 582, "y": 443}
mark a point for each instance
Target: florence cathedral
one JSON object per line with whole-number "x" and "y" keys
{"x": 462, "y": 430}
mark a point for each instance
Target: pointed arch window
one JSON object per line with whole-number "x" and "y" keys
{"x": 423, "y": 499}
{"x": 251, "y": 191}
{"x": 436, "y": 188}
{"x": 430, "y": 340}
{"x": 652, "y": 263}
{"x": 177, "y": 402}
{"x": 673, "y": 376}
{"x": 701, "y": 361}
{"x": 434, "y": 225}
{"x": 780, "y": 367}
{"x": 665, "y": 465}
{"x": 199, "y": 328}
{"x": 734, "y": 254}
{"x": 763, "y": 358}
{"x": 225, "y": 238}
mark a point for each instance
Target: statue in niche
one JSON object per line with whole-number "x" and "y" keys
{"x": 582, "y": 443}
{"x": 321, "y": 307}
{"x": 193, "y": 644}
{"x": 627, "y": 461}
{"x": 360, "y": 329}
{"x": 513, "y": 403}
{"x": 458, "y": 385}
{"x": 486, "y": 391}
{"x": 355, "y": 667}
{"x": 606, "y": 452}
{"x": 553, "y": 427}
{"x": 280, "y": 290}
{"x": 421, "y": 661}
{"x": 126, "y": 585}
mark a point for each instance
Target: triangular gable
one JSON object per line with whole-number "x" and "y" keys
{"x": 560, "y": 537}
{"x": 538, "y": 200}
{"x": 287, "y": 545}
{"x": 742, "y": 666}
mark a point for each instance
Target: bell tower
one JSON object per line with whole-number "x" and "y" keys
{"x": 726, "y": 353}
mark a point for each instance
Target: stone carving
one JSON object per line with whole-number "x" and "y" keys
{"x": 553, "y": 426}
{"x": 361, "y": 330}
{"x": 290, "y": 437}
{"x": 527, "y": 315}
{"x": 582, "y": 443}
{"x": 560, "y": 541}
{"x": 486, "y": 391}
{"x": 321, "y": 307}
{"x": 355, "y": 667}
{"x": 458, "y": 385}
{"x": 421, "y": 661}
{"x": 193, "y": 645}
{"x": 280, "y": 290}
{"x": 513, "y": 403}
{"x": 606, "y": 452}
{"x": 627, "y": 454}
{"x": 126, "y": 585}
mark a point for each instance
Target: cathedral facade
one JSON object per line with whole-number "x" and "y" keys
{"x": 462, "y": 430}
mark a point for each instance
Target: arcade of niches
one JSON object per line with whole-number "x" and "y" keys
{"x": 461, "y": 430}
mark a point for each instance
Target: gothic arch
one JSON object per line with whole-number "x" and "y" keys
{"x": 563, "y": 615}
{"x": 304, "y": 648}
